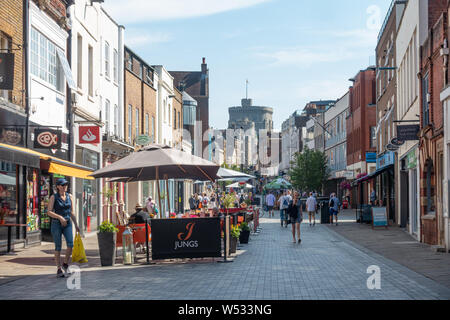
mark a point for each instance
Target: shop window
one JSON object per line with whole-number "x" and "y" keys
{"x": 8, "y": 192}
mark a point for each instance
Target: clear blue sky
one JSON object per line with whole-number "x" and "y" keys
{"x": 291, "y": 51}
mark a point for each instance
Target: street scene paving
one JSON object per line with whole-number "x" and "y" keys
{"x": 324, "y": 266}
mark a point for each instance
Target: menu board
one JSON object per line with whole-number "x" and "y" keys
{"x": 379, "y": 217}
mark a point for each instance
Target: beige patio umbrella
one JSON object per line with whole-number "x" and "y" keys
{"x": 159, "y": 161}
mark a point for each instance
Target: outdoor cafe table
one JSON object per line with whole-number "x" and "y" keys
{"x": 10, "y": 225}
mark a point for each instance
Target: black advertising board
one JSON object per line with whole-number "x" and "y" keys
{"x": 47, "y": 139}
{"x": 185, "y": 238}
{"x": 6, "y": 71}
{"x": 408, "y": 132}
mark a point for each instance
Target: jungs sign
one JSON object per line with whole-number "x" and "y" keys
{"x": 185, "y": 238}
{"x": 89, "y": 134}
{"x": 47, "y": 139}
{"x": 6, "y": 71}
{"x": 408, "y": 132}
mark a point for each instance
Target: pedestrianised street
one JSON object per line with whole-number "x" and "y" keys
{"x": 324, "y": 266}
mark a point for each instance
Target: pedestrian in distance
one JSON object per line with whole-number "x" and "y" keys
{"x": 284, "y": 205}
{"x": 61, "y": 210}
{"x": 270, "y": 202}
{"x": 295, "y": 214}
{"x": 311, "y": 206}
{"x": 192, "y": 204}
{"x": 334, "y": 205}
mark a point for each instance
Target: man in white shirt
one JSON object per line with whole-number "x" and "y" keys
{"x": 270, "y": 202}
{"x": 284, "y": 204}
{"x": 311, "y": 207}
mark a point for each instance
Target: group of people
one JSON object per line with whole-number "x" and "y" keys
{"x": 293, "y": 207}
{"x": 203, "y": 201}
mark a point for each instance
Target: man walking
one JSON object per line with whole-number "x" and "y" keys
{"x": 334, "y": 207}
{"x": 284, "y": 205}
{"x": 270, "y": 202}
{"x": 311, "y": 207}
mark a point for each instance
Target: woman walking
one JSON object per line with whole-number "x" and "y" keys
{"x": 295, "y": 213}
{"x": 61, "y": 210}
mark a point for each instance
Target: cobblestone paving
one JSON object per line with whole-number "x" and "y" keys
{"x": 324, "y": 266}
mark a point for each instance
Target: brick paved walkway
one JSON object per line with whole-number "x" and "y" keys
{"x": 324, "y": 266}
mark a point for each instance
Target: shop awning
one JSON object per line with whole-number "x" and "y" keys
{"x": 372, "y": 175}
{"x": 12, "y": 154}
{"x": 52, "y": 164}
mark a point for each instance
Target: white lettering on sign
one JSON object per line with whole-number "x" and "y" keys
{"x": 374, "y": 281}
{"x": 186, "y": 244}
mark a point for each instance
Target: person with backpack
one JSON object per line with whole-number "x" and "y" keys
{"x": 284, "y": 205}
{"x": 311, "y": 206}
{"x": 295, "y": 214}
{"x": 334, "y": 207}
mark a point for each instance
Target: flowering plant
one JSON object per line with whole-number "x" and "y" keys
{"x": 345, "y": 185}
{"x": 235, "y": 231}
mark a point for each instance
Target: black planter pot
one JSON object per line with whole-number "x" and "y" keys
{"x": 233, "y": 244}
{"x": 243, "y": 237}
{"x": 107, "y": 247}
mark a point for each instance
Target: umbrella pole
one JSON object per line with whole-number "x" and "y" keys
{"x": 167, "y": 192}
{"x": 159, "y": 192}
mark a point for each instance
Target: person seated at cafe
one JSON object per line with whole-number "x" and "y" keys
{"x": 140, "y": 216}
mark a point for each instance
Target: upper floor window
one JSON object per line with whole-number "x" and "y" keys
{"x": 107, "y": 62}
{"x": 107, "y": 115}
{"x": 425, "y": 102}
{"x": 116, "y": 120}
{"x": 137, "y": 122}
{"x": 115, "y": 65}
{"x": 147, "y": 124}
{"x": 373, "y": 137}
{"x": 130, "y": 115}
{"x": 44, "y": 63}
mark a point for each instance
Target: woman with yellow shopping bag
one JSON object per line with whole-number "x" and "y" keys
{"x": 61, "y": 210}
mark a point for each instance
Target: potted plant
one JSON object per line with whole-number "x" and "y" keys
{"x": 235, "y": 232}
{"x": 245, "y": 233}
{"x": 107, "y": 235}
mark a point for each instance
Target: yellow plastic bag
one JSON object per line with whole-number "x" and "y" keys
{"x": 78, "y": 253}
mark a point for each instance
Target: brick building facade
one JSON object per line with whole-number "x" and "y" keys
{"x": 196, "y": 84}
{"x": 432, "y": 82}
{"x": 361, "y": 125}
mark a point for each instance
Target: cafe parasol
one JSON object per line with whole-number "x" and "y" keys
{"x": 156, "y": 162}
{"x": 238, "y": 185}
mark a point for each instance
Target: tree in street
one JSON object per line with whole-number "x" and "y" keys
{"x": 309, "y": 170}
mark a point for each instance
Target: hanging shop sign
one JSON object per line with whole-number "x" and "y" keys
{"x": 6, "y": 71}
{"x": 89, "y": 134}
{"x": 47, "y": 139}
{"x": 143, "y": 140}
{"x": 185, "y": 238}
{"x": 391, "y": 148}
{"x": 12, "y": 136}
{"x": 397, "y": 142}
{"x": 408, "y": 132}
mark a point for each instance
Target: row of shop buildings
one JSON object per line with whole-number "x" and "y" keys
{"x": 387, "y": 138}
{"x": 74, "y": 98}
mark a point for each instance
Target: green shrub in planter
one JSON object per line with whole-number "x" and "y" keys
{"x": 107, "y": 235}
{"x": 245, "y": 233}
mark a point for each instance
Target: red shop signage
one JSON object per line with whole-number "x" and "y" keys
{"x": 89, "y": 134}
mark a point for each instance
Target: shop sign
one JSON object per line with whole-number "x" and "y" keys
{"x": 185, "y": 238}
{"x": 397, "y": 142}
{"x": 391, "y": 147}
{"x": 411, "y": 160}
{"x": 385, "y": 160}
{"x": 12, "y": 136}
{"x": 408, "y": 132}
{"x": 371, "y": 157}
{"x": 6, "y": 71}
{"x": 89, "y": 134}
{"x": 143, "y": 140}
{"x": 47, "y": 139}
